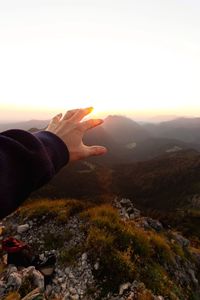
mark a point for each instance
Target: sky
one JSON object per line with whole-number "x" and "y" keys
{"x": 139, "y": 58}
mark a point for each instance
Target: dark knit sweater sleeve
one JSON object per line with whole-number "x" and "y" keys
{"x": 27, "y": 161}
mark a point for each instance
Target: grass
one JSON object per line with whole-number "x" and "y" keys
{"x": 56, "y": 240}
{"x": 13, "y": 296}
{"x": 162, "y": 249}
{"x": 60, "y": 209}
{"x": 156, "y": 278}
{"x": 27, "y": 286}
{"x": 125, "y": 249}
{"x": 69, "y": 256}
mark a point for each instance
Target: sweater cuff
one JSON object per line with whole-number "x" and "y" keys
{"x": 55, "y": 147}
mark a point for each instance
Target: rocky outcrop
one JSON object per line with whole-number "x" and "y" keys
{"x": 74, "y": 275}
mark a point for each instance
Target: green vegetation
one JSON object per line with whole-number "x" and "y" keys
{"x": 56, "y": 240}
{"x": 125, "y": 249}
{"x": 27, "y": 286}
{"x": 60, "y": 209}
{"x": 69, "y": 256}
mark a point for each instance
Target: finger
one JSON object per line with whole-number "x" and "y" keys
{"x": 69, "y": 114}
{"x": 80, "y": 114}
{"x": 95, "y": 150}
{"x": 56, "y": 119}
{"x": 86, "y": 125}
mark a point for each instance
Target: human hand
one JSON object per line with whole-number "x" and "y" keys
{"x": 71, "y": 130}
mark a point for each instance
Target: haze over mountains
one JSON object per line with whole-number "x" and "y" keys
{"x": 130, "y": 141}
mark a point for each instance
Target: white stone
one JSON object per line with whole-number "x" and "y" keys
{"x": 72, "y": 290}
{"x": 15, "y": 280}
{"x": 22, "y": 228}
{"x": 84, "y": 256}
{"x": 123, "y": 287}
{"x": 96, "y": 266}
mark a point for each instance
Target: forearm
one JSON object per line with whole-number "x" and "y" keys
{"x": 27, "y": 162}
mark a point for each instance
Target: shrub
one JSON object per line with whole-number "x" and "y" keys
{"x": 156, "y": 278}
{"x": 161, "y": 248}
{"x": 13, "y": 296}
{"x": 61, "y": 209}
{"x": 69, "y": 256}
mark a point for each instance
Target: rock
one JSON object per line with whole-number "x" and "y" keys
{"x": 60, "y": 280}
{"x": 96, "y": 266}
{"x": 84, "y": 256}
{"x": 5, "y": 259}
{"x": 125, "y": 202}
{"x": 14, "y": 280}
{"x": 17, "y": 237}
{"x": 11, "y": 269}
{"x": 31, "y": 223}
{"x": 38, "y": 280}
{"x": 42, "y": 257}
{"x": 66, "y": 296}
{"x": 72, "y": 290}
{"x": 155, "y": 224}
{"x": 71, "y": 275}
{"x": 22, "y": 228}
{"x": 194, "y": 279}
{"x": 67, "y": 271}
{"x": 64, "y": 286}
{"x": 75, "y": 297}
{"x": 123, "y": 287}
{"x": 181, "y": 240}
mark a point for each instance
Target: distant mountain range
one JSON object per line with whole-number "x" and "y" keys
{"x": 26, "y": 125}
{"x": 185, "y": 129}
{"x": 129, "y": 141}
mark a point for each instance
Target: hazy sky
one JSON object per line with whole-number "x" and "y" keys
{"x": 123, "y": 56}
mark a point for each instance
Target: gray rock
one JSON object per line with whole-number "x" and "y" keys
{"x": 96, "y": 266}
{"x": 14, "y": 280}
{"x": 84, "y": 256}
{"x": 194, "y": 279}
{"x": 11, "y": 269}
{"x": 181, "y": 240}
{"x": 125, "y": 202}
{"x": 123, "y": 287}
{"x": 155, "y": 224}
{"x": 72, "y": 291}
{"x": 66, "y": 296}
{"x": 22, "y": 228}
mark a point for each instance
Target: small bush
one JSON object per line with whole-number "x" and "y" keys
{"x": 61, "y": 209}
{"x": 13, "y": 296}
{"x": 69, "y": 256}
{"x": 156, "y": 279}
{"x": 53, "y": 241}
{"x": 161, "y": 248}
{"x": 27, "y": 286}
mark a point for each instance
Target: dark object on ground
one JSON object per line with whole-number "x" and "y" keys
{"x": 20, "y": 255}
{"x": 47, "y": 266}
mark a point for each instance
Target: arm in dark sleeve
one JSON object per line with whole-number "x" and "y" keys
{"x": 27, "y": 161}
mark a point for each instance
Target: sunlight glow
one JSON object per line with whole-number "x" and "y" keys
{"x": 123, "y": 57}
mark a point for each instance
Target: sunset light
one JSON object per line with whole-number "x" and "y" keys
{"x": 122, "y": 57}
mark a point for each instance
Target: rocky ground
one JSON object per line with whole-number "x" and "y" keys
{"x": 74, "y": 277}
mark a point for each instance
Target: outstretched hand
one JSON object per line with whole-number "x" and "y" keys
{"x": 71, "y": 130}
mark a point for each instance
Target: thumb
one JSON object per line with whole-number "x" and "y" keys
{"x": 96, "y": 150}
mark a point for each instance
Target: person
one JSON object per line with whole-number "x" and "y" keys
{"x": 28, "y": 161}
